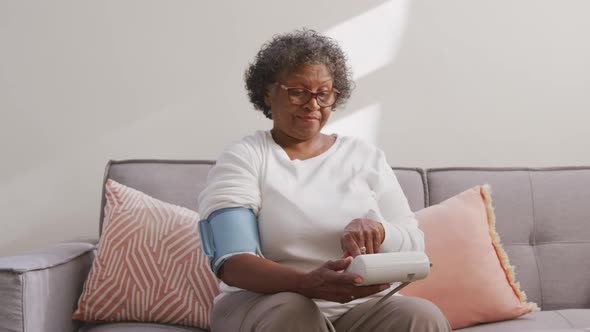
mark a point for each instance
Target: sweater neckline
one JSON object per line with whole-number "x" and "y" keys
{"x": 322, "y": 155}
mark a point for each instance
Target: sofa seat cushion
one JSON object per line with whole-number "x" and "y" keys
{"x": 548, "y": 321}
{"x": 136, "y": 327}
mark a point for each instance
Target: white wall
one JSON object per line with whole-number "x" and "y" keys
{"x": 439, "y": 83}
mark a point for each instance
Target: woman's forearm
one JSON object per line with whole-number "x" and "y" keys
{"x": 326, "y": 282}
{"x": 260, "y": 275}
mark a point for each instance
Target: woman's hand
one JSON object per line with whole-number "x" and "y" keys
{"x": 360, "y": 233}
{"x": 328, "y": 283}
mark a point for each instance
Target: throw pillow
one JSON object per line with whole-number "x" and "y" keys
{"x": 149, "y": 265}
{"x": 471, "y": 279}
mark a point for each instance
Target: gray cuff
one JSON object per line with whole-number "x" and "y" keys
{"x": 40, "y": 289}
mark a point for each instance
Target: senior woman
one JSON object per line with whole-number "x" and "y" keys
{"x": 313, "y": 202}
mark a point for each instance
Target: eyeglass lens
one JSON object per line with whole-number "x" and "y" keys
{"x": 301, "y": 96}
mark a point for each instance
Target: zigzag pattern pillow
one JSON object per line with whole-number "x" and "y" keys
{"x": 149, "y": 266}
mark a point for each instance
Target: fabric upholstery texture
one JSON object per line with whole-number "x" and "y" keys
{"x": 39, "y": 289}
{"x": 180, "y": 182}
{"x": 471, "y": 280}
{"x": 412, "y": 182}
{"x": 568, "y": 320}
{"x": 136, "y": 327}
{"x": 513, "y": 196}
{"x": 149, "y": 266}
{"x": 172, "y": 181}
{"x": 45, "y": 258}
{"x": 543, "y": 217}
{"x": 11, "y": 302}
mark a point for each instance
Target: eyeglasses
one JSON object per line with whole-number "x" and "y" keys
{"x": 301, "y": 96}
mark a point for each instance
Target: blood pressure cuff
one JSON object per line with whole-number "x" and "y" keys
{"x": 228, "y": 232}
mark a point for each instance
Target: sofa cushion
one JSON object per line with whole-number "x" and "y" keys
{"x": 471, "y": 280}
{"x": 136, "y": 327}
{"x": 39, "y": 289}
{"x": 181, "y": 181}
{"x": 412, "y": 182}
{"x": 173, "y": 181}
{"x": 568, "y": 320}
{"x": 561, "y": 205}
{"x": 149, "y": 265}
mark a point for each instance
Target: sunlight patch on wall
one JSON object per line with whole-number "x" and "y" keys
{"x": 363, "y": 123}
{"x": 372, "y": 38}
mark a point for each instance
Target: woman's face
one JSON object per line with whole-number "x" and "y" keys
{"x": 301, "y": 122}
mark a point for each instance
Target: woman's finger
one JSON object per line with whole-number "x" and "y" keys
{"x": 373, "y": 237}
{"x": 338, "y": 265}
{"x": 342, "y": 278}
{"x": 360, "y": 241}
{"x": 376, "y": 245}
{"x": 349, "y": 243}
{"x": 369, "y": 242}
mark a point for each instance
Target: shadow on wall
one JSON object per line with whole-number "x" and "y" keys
{"x": 90, "y": 82}
{"x": 458, "y": 82}
{"x": 371, "y": 40}
{"x": 469, "y": 83}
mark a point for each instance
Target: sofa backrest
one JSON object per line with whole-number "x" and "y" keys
{"x": 543, "y": 218}
{"x": 542, "y": 215}
{"x": 174, "y": 181}
{"x": 180, "y": 181}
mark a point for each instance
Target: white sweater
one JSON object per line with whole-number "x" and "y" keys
{"x": 304, "y": 205}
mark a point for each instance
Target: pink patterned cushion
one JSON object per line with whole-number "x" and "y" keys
{"x": 471, "y": 280}
{"x": 149, "y": 266}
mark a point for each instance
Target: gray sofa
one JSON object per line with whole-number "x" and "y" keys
{"x": 543, "y": 217}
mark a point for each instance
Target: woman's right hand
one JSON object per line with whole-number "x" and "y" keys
{"x": 328, "y": 283}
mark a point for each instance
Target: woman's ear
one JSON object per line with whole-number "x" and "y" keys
{"x": 267, "y": 99}
{"x": 269, "y": 90}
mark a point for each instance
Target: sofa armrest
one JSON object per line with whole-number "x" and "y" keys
{"x": 40, "y": 289}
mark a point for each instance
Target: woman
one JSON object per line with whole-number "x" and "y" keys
{"x": 317, "y": 200}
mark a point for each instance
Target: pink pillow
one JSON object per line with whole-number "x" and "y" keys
{"x": 471, "y": 280}
{"x": 149, "y": 266}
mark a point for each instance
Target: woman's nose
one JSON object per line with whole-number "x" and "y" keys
{"x": 312, "y": 104}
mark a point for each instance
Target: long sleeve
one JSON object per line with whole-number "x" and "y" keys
{"x": 401, "y": 228}
{"x": 234, "y": 180}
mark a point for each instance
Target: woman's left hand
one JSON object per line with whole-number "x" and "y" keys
{"x": 360, "y": 233}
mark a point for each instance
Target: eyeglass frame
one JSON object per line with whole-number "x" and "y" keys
{"x": 313, "y": 95}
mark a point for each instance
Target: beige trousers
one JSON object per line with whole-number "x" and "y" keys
{"x": 247, "y": 311}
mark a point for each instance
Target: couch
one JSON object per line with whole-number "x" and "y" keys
{"x": 543, "y": 218}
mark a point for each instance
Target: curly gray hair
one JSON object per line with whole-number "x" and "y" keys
{"x": 285, "y": 53}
